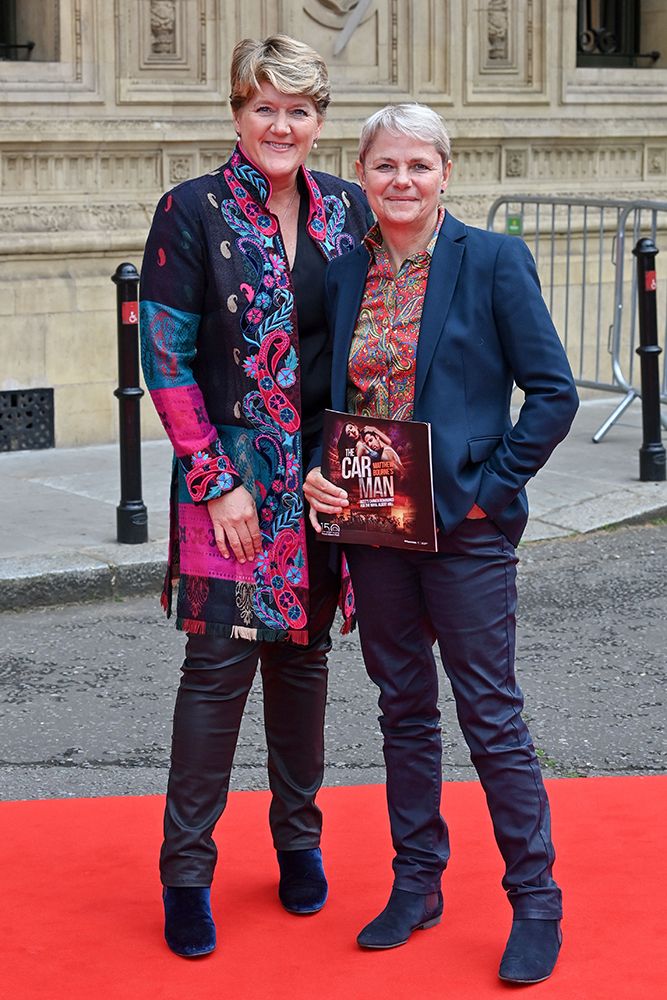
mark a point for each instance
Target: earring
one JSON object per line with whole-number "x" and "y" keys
{"x": 315, "y": 144}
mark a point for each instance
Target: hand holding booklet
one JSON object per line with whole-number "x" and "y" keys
{"x": 385, "y": 467}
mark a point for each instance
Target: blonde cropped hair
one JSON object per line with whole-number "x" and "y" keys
{"x": 415, "y": 120}
{"x": 290, "y": 66}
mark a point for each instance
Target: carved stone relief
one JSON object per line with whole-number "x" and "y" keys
{"x": 169, "y": 50}
{"x": 337, "y": 13}
{"x": 516, "y": 163}
{"x": 505, "y": 50}
{"x": 71, "y": 217}
{"x": 620, "y": 163}
{"x": 580, "y": 163}
{"x": 78, "y": 172}
{"x": 371, "y": 56}
{"x": 163, "y": 26}
{"x": 497, "y": 30}
{"x": 656, "y": 160}
{"x": 181, "y": 167}
{"x": 476, "y": 165}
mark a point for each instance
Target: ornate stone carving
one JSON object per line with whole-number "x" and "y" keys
{"x": 332, "y": 13}
{"x": 620, "y": 162}
{"x": 359, "y": 39}
{"x": 472, "y": 208}
{"x": 180, "y": 168}
{"x": 78, "y": 172}
{"x": 64, "y": 218}
{"x": 497, "y": 29}
{"x": 339, "y": 6}
{"x": 582, "y": 163}
{"x": 477, "y": 165}
{"x": 163, "y": 26}
{"x": 170, "y": 50}
{"x": 506, "y": 44}
{"x": 656, "y": 160}
{"x": 516, "y": 163}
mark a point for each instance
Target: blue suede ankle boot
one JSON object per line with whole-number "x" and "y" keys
{"x": 404, "y": 913}
{"x": 303, "y": 885}
{"x": 188, "y": 924}
{"x": 531, "y": 951}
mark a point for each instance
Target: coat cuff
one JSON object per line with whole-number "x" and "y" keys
{"x": 211, "y": 474}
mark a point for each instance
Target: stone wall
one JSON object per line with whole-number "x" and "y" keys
{"x": 136, "y": 101}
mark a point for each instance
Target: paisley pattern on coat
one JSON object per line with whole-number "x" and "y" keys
{"x": 220, "y": 354}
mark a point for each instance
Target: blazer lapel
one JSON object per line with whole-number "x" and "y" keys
{"x": 350, "y": 280}
{"x": 442, "y": 278}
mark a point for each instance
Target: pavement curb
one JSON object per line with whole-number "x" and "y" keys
{"x": 642, "y": 517}
{"x": 99, "y": 573}
{"x": 52, "y": 580}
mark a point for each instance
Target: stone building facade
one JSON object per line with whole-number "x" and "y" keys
{"x": 121, "y": 99}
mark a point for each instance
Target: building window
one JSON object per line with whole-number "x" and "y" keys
{"x": 609, "y": 33}
{"x": 29, "y": 29}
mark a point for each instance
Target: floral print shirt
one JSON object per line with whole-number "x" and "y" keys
{"x": 383, "y": 353}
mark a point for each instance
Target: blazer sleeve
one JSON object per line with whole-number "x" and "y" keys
{"x": 539, "y": 367}
{"x": 173, "y": 281}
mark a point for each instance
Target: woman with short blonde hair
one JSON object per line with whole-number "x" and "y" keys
{"x": 289, "y": 65}
{"x": 236, "y": 354}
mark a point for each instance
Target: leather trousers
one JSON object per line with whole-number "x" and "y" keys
{"x": 216, "y": 678}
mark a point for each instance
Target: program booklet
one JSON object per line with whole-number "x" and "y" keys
{"x": 385, "y": 467}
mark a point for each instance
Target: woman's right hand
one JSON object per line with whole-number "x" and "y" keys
{"x": 322, "y": 496}
{"x": 235, "y": 523}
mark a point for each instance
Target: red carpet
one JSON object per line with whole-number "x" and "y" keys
{"x": 81, "y": 917}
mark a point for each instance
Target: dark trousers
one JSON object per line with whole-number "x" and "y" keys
{"x": 465, "y": 597}
{"x": 217, "y": 675}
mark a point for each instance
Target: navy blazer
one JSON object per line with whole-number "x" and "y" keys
{"x": 484, "y": 326}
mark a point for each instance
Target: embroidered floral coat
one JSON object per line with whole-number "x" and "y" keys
{"x": 220, "y": 355}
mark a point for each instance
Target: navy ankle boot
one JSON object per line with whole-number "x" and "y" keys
{"x": 404, "y": 913}
{"x": 188, "y": 924}
{"x": 303, "y": 885}
{"x": 531, "y": 952}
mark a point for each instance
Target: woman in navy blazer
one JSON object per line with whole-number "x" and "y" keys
{"x": 434, "y": 320}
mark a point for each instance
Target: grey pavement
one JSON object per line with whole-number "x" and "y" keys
{"x": 87, "y": 690}
{"x": 58, "y": 509}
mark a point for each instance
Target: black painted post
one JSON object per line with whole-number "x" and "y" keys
{"x": 131, "y": 513}
{"x": 652, "y": 451}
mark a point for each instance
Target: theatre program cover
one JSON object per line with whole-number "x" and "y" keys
{"x": 385, "y": 466}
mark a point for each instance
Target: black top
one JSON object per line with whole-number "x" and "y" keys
{"x": 314, "y": 341}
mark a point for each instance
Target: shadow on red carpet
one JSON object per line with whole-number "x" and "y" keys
{"x": 81, "y": 915}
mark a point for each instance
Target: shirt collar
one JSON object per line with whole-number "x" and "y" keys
{"x": 374, "y": 242}
{"x": 257, "y": 185}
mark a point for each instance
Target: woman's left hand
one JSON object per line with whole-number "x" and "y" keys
{"x": 322, "y": 496}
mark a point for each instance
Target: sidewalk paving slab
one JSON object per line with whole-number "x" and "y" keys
{"x": 58, "y": 509}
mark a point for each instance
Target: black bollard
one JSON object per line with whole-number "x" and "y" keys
{"x": 652, "y": 451}
{"x": 131, "y": 513}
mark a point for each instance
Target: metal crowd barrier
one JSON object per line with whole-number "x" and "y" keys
{"x": 583, "y": 250}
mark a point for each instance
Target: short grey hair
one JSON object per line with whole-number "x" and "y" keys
{"x": 415, "y": 120}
